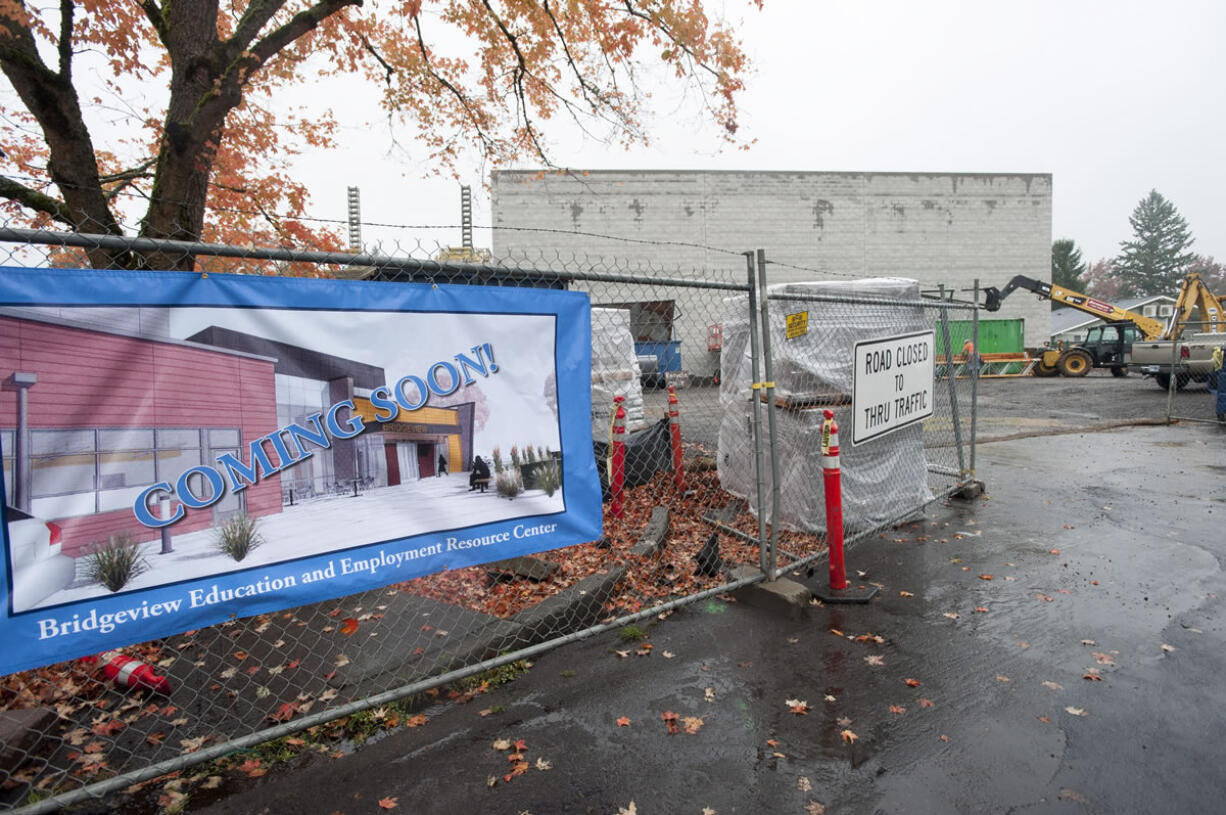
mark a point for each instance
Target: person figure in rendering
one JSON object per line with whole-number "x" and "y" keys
{"x": 480, "y": 475}
{"x": 442, "y": 466}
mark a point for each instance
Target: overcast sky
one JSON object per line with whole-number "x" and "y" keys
{"x": 1113, "y": 99}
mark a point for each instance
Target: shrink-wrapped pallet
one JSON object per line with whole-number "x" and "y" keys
{"x": 615, "y": 371}
{"x": 812, "y": 371}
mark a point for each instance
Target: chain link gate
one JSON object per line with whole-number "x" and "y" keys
{"x": 324, "y": 676}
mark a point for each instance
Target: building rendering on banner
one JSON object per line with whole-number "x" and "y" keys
{"x": 84, "y": 432}
{"x": 938, "y": 228}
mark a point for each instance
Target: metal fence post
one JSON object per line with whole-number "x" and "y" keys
{"x": 755, "y": 356}
{"x": 953, "y": 388}
{"x": 975, "y": 374}
{"x": 1173, "y": 381}
{"x": 768, "y": 389}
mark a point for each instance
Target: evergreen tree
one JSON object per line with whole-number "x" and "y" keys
{"x": 1156, "y": 258}
{"x": 1067, "y": 267}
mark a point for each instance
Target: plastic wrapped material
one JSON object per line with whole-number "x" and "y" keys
{"x": 812, "y": 371}
{"x": 615, "y": 371}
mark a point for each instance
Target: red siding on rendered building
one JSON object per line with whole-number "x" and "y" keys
{"x": 90, "y": 379}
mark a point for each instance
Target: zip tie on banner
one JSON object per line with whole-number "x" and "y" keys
{"x": 759, "y": 385}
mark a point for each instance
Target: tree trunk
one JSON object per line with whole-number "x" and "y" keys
{"x": 194, "y": 119}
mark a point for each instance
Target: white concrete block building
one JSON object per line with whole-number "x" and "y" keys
{"x": 938, "y": 228}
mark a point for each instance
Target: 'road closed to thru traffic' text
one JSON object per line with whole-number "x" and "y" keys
{"x": 892, "y": 384}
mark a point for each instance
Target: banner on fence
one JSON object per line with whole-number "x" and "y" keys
{"x": 181, "y": 448}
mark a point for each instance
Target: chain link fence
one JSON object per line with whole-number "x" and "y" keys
{"x": 1188, "y": 376}
{"x": 718, "y": 347}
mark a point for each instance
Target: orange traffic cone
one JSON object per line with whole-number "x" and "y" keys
{"x": 129, "y": 672}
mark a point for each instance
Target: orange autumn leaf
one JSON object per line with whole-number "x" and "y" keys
{"x": 285, "y": 712}
{"x": 986, "y": 577}
{"x": 926, "y": 703}
{"x": 623, "y": 721}
{"x": 897, "y": 710}
{"x": 349, "y": 625}
{"x": 848, "y": 736}
{"x": 911, "y": 683}
{"x": 388, "y": 803}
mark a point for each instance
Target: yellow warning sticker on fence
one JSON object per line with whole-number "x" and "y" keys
{"x": 798, "y": 325}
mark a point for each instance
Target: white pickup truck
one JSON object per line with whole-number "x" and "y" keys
{"x": 1191, "y": 358}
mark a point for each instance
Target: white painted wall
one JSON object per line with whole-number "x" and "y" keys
{"x": 939, "y": 228}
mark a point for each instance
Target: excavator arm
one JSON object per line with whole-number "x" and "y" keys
{"x": 1194, "y": 295}
{"x": 1151, "y": 328}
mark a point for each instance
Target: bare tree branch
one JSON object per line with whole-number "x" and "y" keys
{"x": 299, "y": 24}
{"x": 67, "y": 7}
{"x": 521, "y": 71}
{"x": 35, "y": 200}
{"x": 154, "y": 14}
{"x": 481, "y": 132}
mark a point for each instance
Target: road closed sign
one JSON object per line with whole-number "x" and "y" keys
{"x": 893, "y": 384}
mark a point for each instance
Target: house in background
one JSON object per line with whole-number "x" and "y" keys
{"x": 1069, "y": 325}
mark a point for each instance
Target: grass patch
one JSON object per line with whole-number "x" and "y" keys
{"x": 238, "y": 537}
{"x": 549, "y": 481}
{"x": 115, "y": 563}
{"x": 508, "y": 483}
{"x": 631, "y": 633}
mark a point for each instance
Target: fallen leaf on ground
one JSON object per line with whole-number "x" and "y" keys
{"x": 670, "y": 721}
{"x": 542, "y": 764}
{"x": 875, "y": 660}
{"x": 1103, "y": 659}
{"x": 986, "y": 577}
{"x": 943, "y": 737}
{"x": 926, "y": 703}
{"x": 629, "y": 810}
{"x": 1002, "y": 678}
{"x": 252, "y": 768}
{"x": 388, "y": 803}
{"x": 803, "y": 784}
{"x": 692, "y": 724}
{"x": 1093, "y": 675}
{"x": 667, "y": 654}
{"x": 502, "y": 744}
{"x": 951, "y": 615}
{"x": 624, "y": 721}
{"x": 843, "y": 721}
{"x": 349, "y": 625}
{"x": 797, "y": 706}
{"x": 911, "y": 683}
{"x": 981, "y": 609}
{"x": 905, "y": 594}
{"x": 1077, "y": 711}
{"x": 897, "y": 710}
{"x": 815, "y": 808}
{"x": 709, "y": 694}
{"x": 1088, "y": 642}
{"x": 1053, "y": 685}
{"x": 622, "y": 654}
{"x": 830, "y": 698}
{"x": 1168, "y": 648}
{"x": 848, "y": 736}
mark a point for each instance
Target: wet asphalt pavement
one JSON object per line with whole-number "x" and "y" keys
{"x": 1104, "y": 552}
